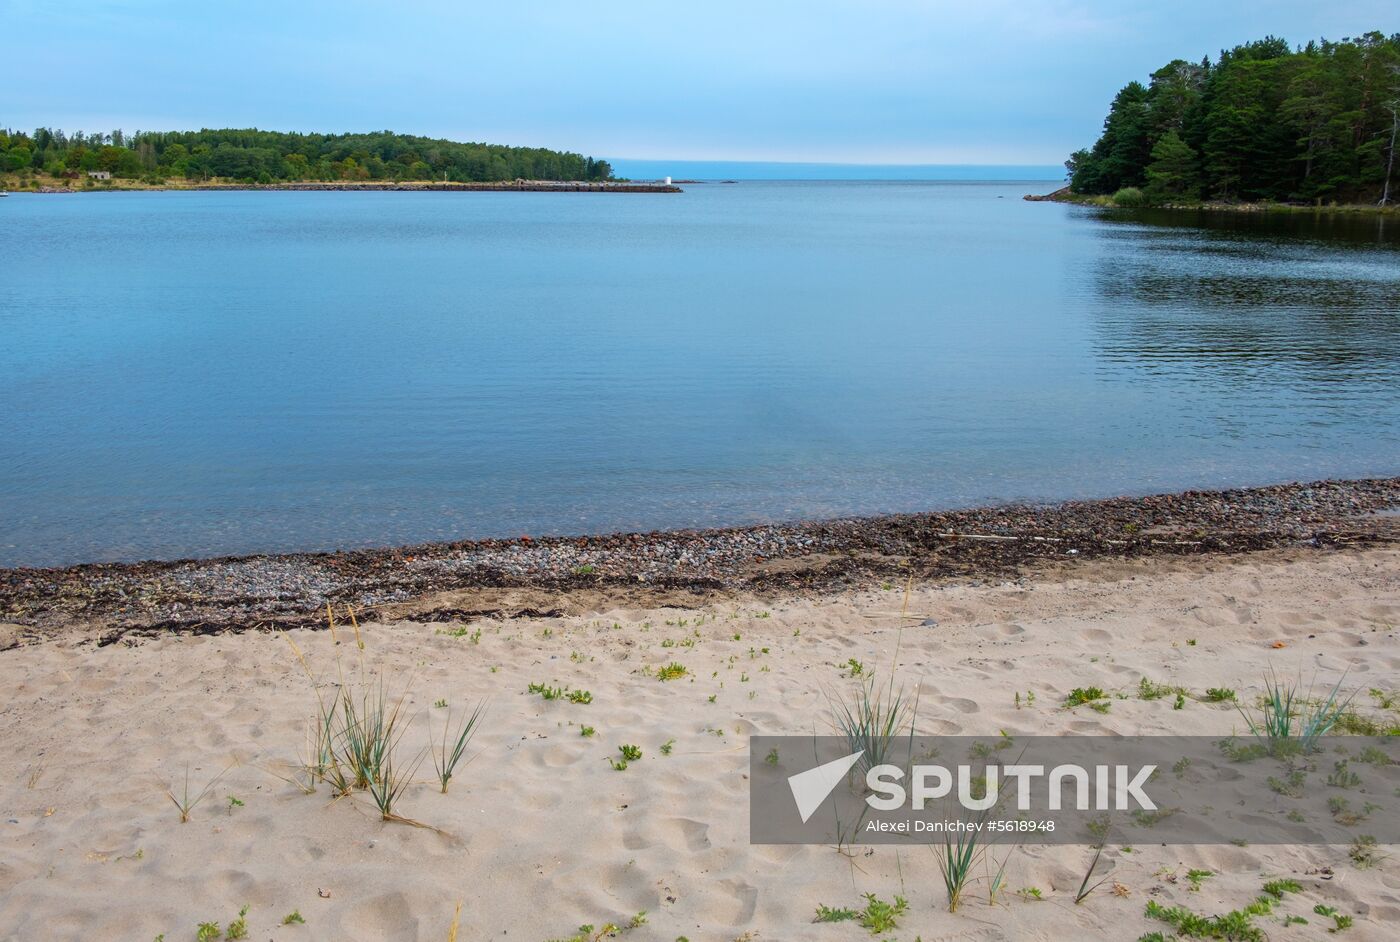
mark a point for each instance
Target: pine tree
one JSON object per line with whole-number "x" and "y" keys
{"x": 1172, "y": 175}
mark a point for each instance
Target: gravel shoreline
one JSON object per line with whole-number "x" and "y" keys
{"x": 127, "y": 600}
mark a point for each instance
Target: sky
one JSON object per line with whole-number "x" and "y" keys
{"x": 867, "y": 81}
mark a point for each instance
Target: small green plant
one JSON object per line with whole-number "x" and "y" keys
{"x": 206, "y": 932}
{"x": 1343, "y": 814}
{"x": 1148, "y": 690}
{"x": 828, "y": 914}
{"x": 238, "y": 929}
{"x": 1339, "y": 920}
{"x": 1082, "y": 695}
{"x": 580, "y": 696}
{"x": 1291, "y": 787}
{"x": 1030, "y": 892}
{"x": 293, "y": 918}
{"x": 234, "y": 802}
{"x": 772, "y": 757}
{"x": 587, "y": 569}
{"x": 1363, "y": 852}
{"x": 1219, "y": 694}
{"x": 1237, "y": 924}
{"x": 1194, "y": 877}
{"x": 879, "y": 916}
{"x": 546, "y": 691}
{"x": 672, "y": 671}
{"x": 1179, "y": 702}
{"x": 1342, "y": 776}
{"x": 1101, "y": 706}
{"x": 440, "y": 703}
{"x": 854, "y": 668}
{"x": 586, "y": 731}
{"x": 667, "y": 746}
{"x": 1150, "y": 819}
{"x": 1277, "y": 888}
{"x": 630, "y": 753}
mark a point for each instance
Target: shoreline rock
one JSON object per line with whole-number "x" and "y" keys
{"x": 239, "y": 593}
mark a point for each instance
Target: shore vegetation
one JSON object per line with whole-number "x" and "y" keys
{"x": 53, "y": 157}
{"x": 1265, "y": 122}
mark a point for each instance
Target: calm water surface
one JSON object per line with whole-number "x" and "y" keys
{"x": 207, "y": 373}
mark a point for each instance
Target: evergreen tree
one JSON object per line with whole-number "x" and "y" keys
{"x": 1172, "y": 173}
{"x": 1264, "y": 121}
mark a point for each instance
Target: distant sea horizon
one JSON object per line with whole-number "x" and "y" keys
{"x": 778, "y": 170}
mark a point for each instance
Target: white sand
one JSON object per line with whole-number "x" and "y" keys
{"x": 546, "y": 836}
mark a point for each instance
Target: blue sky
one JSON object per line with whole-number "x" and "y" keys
{"x": 875, "y": 81}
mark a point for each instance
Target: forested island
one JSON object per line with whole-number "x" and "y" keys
{"x": 48, "y": 158}
{"x": 1266, "y": 122}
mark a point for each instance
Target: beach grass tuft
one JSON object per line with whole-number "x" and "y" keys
{"x": 870, "y": 719}
{"x": 1291, "y": 720}
{"x": 453, "y": 745}
{"x": 188, "y": 801}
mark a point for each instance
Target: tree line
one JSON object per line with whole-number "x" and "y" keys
{"x": 253, "y": 156}
{"x": 1263, "y": 122}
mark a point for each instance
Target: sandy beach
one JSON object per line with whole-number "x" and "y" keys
{"x": 539, "y": 834}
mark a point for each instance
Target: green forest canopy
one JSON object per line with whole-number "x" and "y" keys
{"x": 269, "y": 157}
{"x": 1264, "y": 122}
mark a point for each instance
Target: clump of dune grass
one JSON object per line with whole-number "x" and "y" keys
{"x": 390, "y": 782}
{"x": 1291, "y": 720}
{"x": 356, "y": 740}
{"x": 453, "y": 745}
{"x": 188, "y": 801}
{"x": 870, "y": 719}
{"x": 369, "y": 731}
{"x": 956, "y": 860}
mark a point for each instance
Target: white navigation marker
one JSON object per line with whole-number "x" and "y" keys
{"x": 810, "y": 788}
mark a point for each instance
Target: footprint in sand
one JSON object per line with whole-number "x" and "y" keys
{"x": 961, "y": 704}
{"x": 688, "y": 833}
